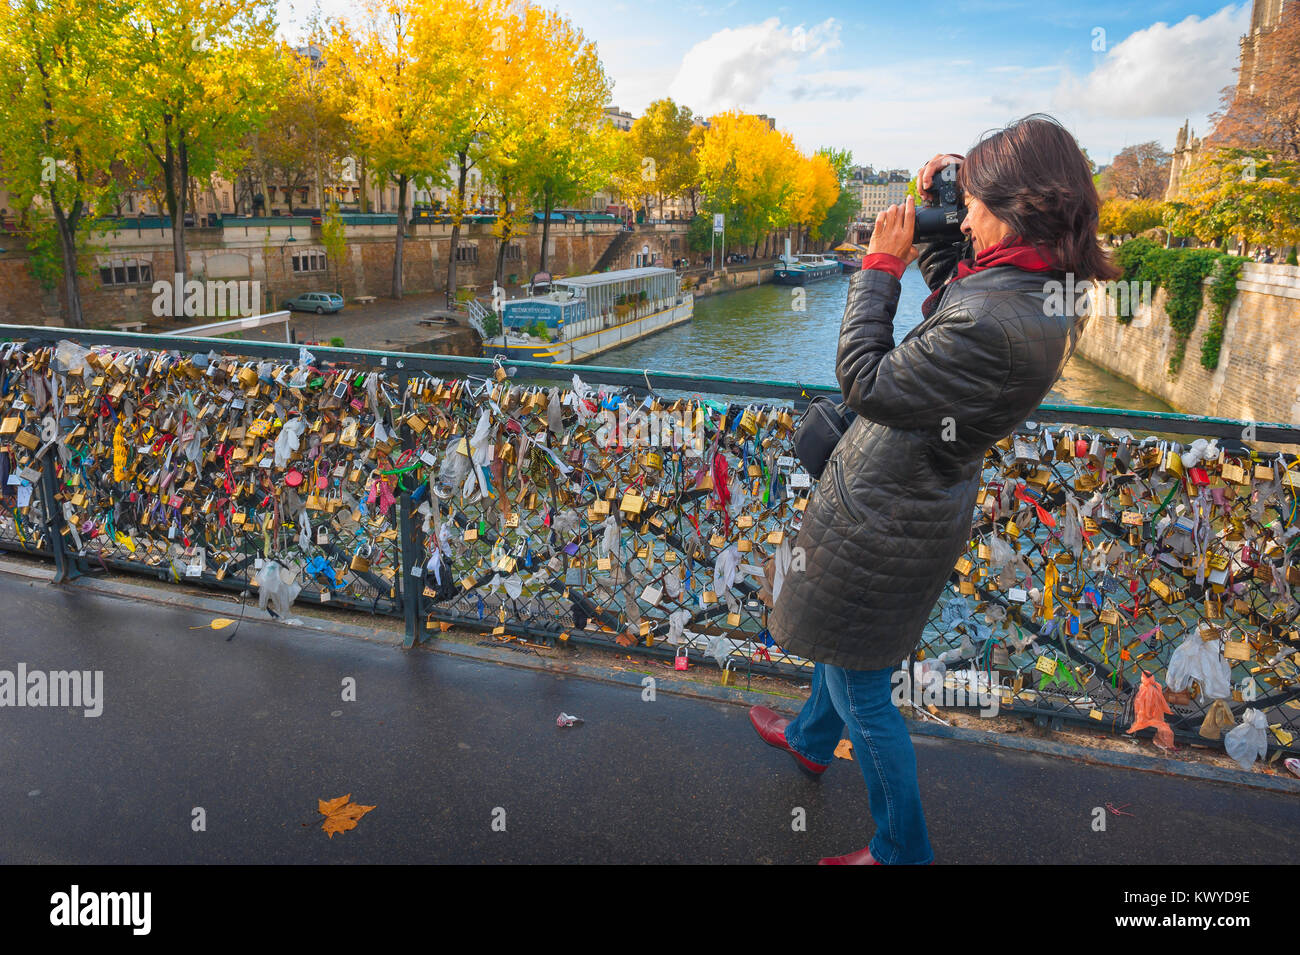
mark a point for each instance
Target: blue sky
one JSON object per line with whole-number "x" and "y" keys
{"x": 897, "y": 83}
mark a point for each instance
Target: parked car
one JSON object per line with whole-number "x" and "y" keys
{"x": 318, "y": 302}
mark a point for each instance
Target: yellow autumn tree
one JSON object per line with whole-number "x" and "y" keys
{"x": 545, "y": 89}
{"x": 749, "y": 172}
{"x": 402, "y": 80}
{"x": 512, "y": 118}
{"x": 818, "y": 188}
{"x": 572, "y": 89}
{"x": 661, "y": 137}
{"x": 203, "y": 74}
{"x": 61, "y": 99}
{"x": 1238, "y": 194}
{"x": 626, "y": 174}
{"x": 468, "y": 35}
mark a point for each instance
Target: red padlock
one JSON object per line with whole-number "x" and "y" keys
{"x": 680, "y": 662}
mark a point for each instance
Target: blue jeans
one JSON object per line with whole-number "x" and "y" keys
{"x": 861, "y": 700}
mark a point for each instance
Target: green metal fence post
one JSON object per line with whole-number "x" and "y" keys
{"x": 411, "y": 534}
{"x": 64, "y": 568}
{"x": 411, "y": 587}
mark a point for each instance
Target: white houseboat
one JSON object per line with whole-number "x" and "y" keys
{"x": 588, "y": 314}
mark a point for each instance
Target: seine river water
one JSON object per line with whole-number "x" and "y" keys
{"x": 757, "y": 333}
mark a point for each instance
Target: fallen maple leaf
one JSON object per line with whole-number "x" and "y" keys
{"x": 844, "y": 750}
{"x": 220, "y": 623}
{"x": 340, "y": 814}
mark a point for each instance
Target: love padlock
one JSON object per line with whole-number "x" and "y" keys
{"x": 680, "y": 662}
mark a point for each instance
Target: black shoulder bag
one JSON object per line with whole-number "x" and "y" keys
{"x": 820, "y": 428}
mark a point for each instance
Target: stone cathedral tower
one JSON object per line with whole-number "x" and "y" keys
{"x": 1265, "y": 16}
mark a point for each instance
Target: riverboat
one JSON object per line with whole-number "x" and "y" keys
{"x": 805, "y": 268}
{"x": 589, "y": 314}
{"x": 849, "y": 255}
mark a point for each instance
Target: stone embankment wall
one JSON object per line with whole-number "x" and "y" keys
{"x": 1258, "y": 375}
{"x": 275, "y": 256}
{"x": 735, "y": 277}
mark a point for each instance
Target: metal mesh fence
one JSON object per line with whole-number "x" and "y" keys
{"x": 631, "y": 518}
{"x": 1095, "y": 557}
{"x": 23, "y": 522}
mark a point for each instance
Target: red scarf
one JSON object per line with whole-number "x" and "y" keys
{"x": 1012, "y": 251}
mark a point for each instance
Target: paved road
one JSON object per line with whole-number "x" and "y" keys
{"x": 247, "y": 729}
{"x": 383, "y": 325}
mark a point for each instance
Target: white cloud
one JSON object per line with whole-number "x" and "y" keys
{"x": 1161, "y": 71}
{"x": 736, "y": 66}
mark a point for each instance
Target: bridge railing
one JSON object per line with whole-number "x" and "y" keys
{"x": 641, "y": 510}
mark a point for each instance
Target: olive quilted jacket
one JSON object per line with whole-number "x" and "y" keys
{"x": 892, "y": 512}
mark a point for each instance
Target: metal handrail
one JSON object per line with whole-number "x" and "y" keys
{"x": 635, "y": 379}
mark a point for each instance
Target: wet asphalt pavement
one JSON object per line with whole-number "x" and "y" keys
{"x": 254, "y": 731}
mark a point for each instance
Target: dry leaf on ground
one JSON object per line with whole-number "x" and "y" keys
{"x": 341, "y": 814}
{"x": 220, "y": 623}
{"x": 844, "y": 750}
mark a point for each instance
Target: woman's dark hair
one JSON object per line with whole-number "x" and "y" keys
{"x": 1033, "y": 176}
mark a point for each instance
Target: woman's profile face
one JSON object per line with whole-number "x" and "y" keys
{"x": 980, "y": 225}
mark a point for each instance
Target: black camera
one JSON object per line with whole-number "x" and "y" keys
{"x": 941, "y": 217}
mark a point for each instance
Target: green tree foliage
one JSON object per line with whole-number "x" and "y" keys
{"x": 334, "y": 236}
{"x": 1130, "y": 216}
{"x": 61, "y": 108}
{"x": 1239, "y": 193}
{"x": 202, "y": 77}
{"x": 1182, "y": 274}
{"x": 665, "y": 160}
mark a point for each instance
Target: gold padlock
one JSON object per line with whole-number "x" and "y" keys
{"x": 748, "y": 423}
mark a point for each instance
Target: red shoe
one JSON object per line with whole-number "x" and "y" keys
{"x": 861, "y": 857}
{"x": 771, "y": 729}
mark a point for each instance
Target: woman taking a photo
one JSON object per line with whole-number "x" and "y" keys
{"x": 893, "y": 509}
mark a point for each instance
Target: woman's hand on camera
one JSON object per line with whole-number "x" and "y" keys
{"x": 894, "y": 231}
{"x": 925, "y": 178}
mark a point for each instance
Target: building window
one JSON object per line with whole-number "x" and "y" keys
{"x": 513, "y": 253}
{"x": 313, "y": 261}
{"x": 126, "y": 272}
{"x": 675, "y": 244}
{"x": 467, "y": 253}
